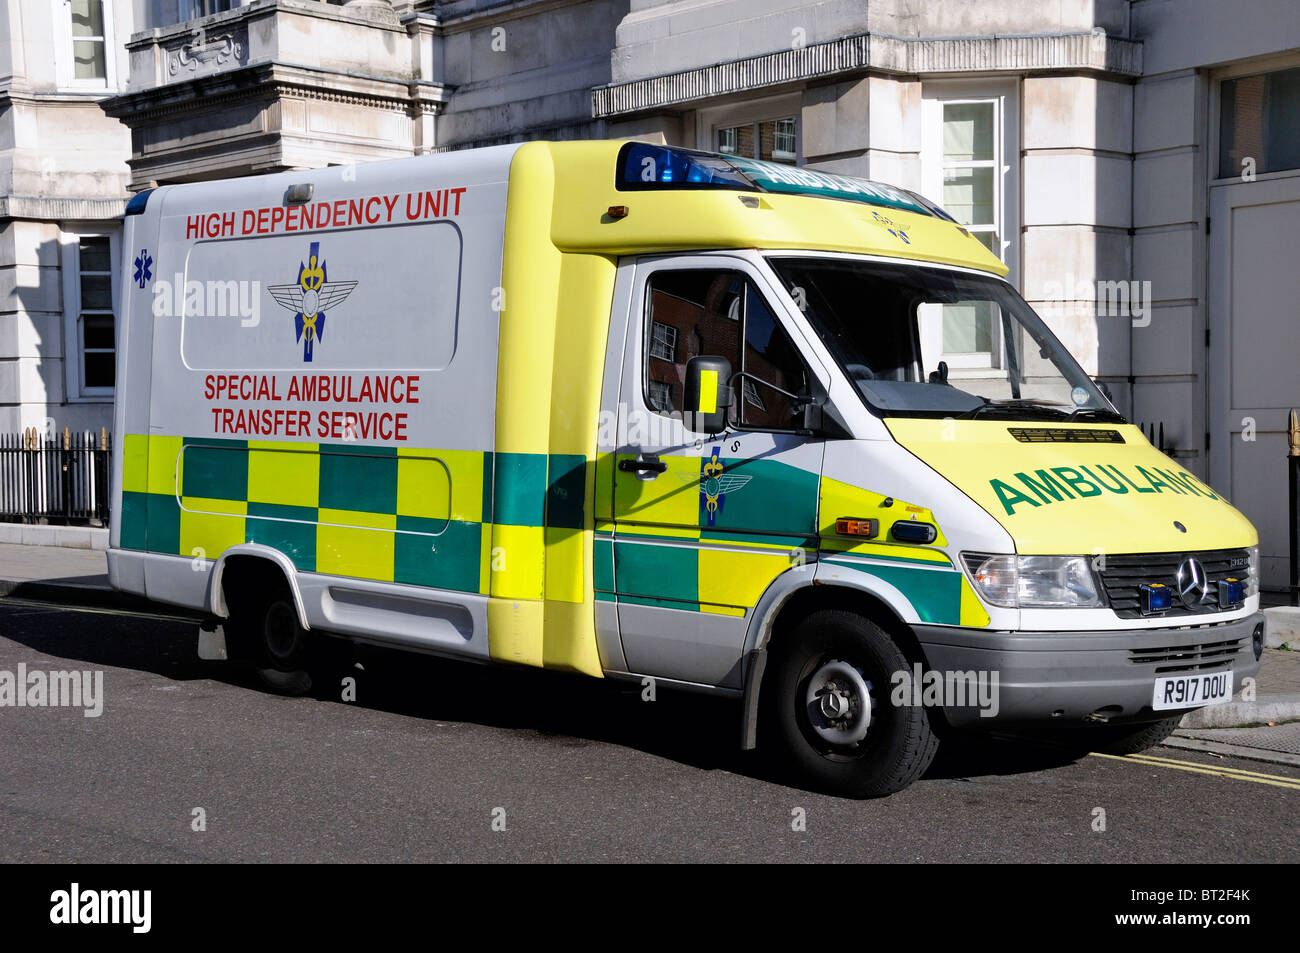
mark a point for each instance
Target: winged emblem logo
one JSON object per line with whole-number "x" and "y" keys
{"x": 716, "y": 483}
{"x": 309, "y": 298}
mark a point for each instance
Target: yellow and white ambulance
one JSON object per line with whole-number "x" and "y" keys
{"x": 642, "y": 412}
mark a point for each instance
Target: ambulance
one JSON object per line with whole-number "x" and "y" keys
{"x": 641, "y": 412}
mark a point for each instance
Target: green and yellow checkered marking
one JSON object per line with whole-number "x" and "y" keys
{"x": 415, "y": 516}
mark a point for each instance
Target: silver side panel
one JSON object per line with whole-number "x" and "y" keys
{"x": 607, "y": 641}
{"x": 431, "y": 620}
{"x": 691, "y": 646}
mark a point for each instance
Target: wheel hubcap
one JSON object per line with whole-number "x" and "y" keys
{"x": 839, "y": 702}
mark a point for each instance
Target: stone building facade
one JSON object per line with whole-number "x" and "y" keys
{"x": 1134, "y": 162}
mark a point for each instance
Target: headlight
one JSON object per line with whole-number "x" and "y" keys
{"x": 1032, "y": 582}
{"x": 1252, "y": 580}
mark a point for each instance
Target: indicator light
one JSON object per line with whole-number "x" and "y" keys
{"x": 851, "y": 526}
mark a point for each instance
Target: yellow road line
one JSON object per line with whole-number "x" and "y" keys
{"x": 1202, "y": 764}
{"x": 42, "y": 606}
{"x": 1194, "y": 767}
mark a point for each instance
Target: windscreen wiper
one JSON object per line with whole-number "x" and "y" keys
{"x": 1097, "y": 413}
{"x": 1010, "y": 405}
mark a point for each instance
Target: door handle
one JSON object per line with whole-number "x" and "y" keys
{"x": 644, "y": 463}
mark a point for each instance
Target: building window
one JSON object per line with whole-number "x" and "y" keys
{"x": 970, "y": 194}
{"x": 729, "y": 140}
{"x": 968, "y": 166}
{"x": 661, "y": 397}
{"x": 969, "y": 163}
{"x": 1258, "y": 128}
{"x": 95, "y": 291}
{"x": 194, "y": 9}
{"x": 663, "y": 342}
{"x": 88, "y": 40}
{"x": 775, "y": 140}
{"x": 89, "y": 318}
{"x": 783, "y": 140}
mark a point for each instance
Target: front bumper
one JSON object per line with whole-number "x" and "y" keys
{"x": 1075, "y": 676}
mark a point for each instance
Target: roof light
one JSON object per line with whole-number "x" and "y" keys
{"x": 643, "y": 165}
{"x": 137, "y": 203}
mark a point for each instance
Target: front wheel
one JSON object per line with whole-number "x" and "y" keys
{"x": 828, "y": 712}
{"x": 1080, "y": 740}
{"x": 1135, "y": 738}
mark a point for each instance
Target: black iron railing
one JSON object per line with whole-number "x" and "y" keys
{"x": 59, "y": 479}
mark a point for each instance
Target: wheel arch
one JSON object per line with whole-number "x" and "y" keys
{"x": 235, "y": 559}
{"x": 780, "y": 610}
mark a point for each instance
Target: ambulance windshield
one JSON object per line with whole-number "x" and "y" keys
{"x": 922, "y": 341}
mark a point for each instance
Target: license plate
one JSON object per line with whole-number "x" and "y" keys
{"x": 1192, "y": 691}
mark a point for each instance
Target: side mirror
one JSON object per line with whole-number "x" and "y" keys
{"x": 706, "y": 394}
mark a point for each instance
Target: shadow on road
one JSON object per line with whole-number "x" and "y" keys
{"x": 559, "y": 709}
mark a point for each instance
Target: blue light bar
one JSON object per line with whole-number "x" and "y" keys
{"x": 644, "y": 166}
{"x": 1155, "y": 597}
{"x": 794, "y": 180}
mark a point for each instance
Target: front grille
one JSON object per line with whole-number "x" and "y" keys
{"x": 1187, "y": 658}
{"x": 1057, "y": 435}
{"x": 1124, "y": 574}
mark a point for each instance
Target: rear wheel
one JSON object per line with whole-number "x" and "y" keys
{"x": 265, "y": 625}
{"x": 828, "y": 713}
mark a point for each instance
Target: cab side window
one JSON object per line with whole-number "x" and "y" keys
{"x": 689, "y": 313}
{"x": 716, "y": 312}
{"x": 770, "y": 359}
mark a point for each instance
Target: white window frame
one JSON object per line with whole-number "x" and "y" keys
{"x": 70, "y": 261}
{"x": 1004, "y": 94}
{"x": 65, "y": 67}
{"x": 709, "y": 121}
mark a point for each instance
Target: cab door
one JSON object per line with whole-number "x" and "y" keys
{"x": 703, "y": 524}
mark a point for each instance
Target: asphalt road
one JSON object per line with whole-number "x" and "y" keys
{"x": 431, "y": 753}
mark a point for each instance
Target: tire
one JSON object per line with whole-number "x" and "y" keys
{"x": 1081, "y": 740}
{"x": 813, "y": 711}
{"x": 1132, "y": 739}
{"x": 276, "y": 643}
